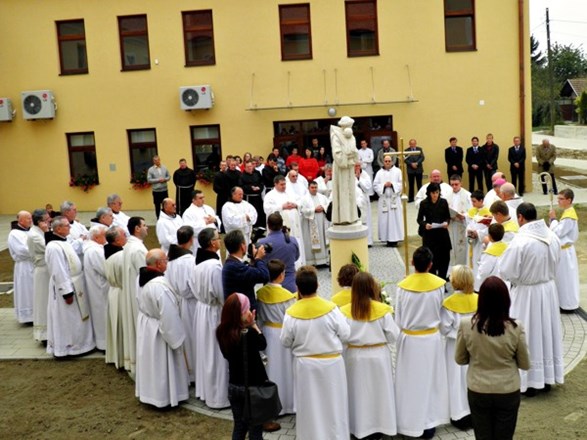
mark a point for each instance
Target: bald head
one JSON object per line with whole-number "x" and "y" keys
{"x": 435, "y": 176}
{"x": 497, "y": 175}
{"x": 508, "y": 191}
{"x": 168, "y": 207}
{"x": 156, "y": 259}
{"x": 24, "y": 219}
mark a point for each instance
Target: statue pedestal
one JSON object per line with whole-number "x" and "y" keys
{"x": 344, "y": 240}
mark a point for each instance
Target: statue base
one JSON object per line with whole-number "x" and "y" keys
{"x": 344, "y": 240}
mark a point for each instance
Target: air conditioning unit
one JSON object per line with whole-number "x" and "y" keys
{"x": 38, "y": 104}
{"x": 196, "y": 97}
{"x": 6, "y": 112}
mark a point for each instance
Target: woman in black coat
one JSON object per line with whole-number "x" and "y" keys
{"x": 433, "y": 220}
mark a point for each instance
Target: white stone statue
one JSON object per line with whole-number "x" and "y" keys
{"x": 345, "y": 154}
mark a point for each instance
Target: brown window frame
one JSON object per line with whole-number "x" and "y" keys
{"x": 134, "y": 33}
{"x": 460, "y": 13}
{"x": 204, "y": 141}
{"x": 201, "y": 29}
{"x": 348, "y": 21}
{"x": 285, "y": 25}
{"x": 68, "y": 38}
{"x": 140, "y": 145}
{"x": 71, "y": 149}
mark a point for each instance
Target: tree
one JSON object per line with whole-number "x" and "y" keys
{"x": 567, "y": 62}
{"x": 536, "y": 55}
{"x": 581, "y": 103}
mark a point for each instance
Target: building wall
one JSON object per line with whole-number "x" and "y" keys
{"x": 431, "y": 94}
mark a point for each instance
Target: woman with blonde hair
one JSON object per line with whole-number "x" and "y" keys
{"x": 368, "y": 360}
{"x": 461, "y": 304}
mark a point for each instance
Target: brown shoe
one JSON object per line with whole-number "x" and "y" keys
{"x": 271, "y": 426}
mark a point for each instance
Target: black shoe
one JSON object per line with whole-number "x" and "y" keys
{"x": 392, "y": 244}
{"x": 428, "y": 433}
{"x": 462, "y": 424}
{"x": 369, "y": 246}
{"x": 567, "y": 312}
{"x": 530, "y": 392}
{"x": 546, "y": 388}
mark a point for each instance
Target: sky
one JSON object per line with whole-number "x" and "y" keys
{"x": 568, "y": 22}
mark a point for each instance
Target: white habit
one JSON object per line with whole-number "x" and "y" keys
{"x": 458, "y": 203}
{"x": 363, "y": 190}
{"x": 194, "y": 216}
{"x": 121, "y": 219}
{"x": 234, "y": 216}
{"x": 114, "y": 318}
{"x": 567, "y": 272}
{"x": 530, "y": 263}
{"x": 36, "y": 245}
{"x": 97, "y": 287}
{"x": 78, "y": 233}
{"x": 23, "y": 274}
{"x": 314, "y": 227}
{"x": 389, "y": 206}
{"x": 162, "y": 377}
{"x": 167, "y": 227}
{"x": 366, "y": 156}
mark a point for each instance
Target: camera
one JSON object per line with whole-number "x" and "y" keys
{"x": 257, "y": 234}
{"x": 267, "y": 246}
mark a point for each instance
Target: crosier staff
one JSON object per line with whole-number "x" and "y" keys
{"x": 544, "y": 177}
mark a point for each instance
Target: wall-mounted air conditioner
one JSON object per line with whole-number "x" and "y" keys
{"x": 6, "y": 111}
{"x": 38, "y": 104}
{"x": 196, "y": 97}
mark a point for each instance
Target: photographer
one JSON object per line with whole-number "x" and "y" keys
{"x": 284, "y": 248}
{"x": 238, "y": 275}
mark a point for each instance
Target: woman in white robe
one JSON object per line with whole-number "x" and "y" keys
{"x": 273, "y": 301}
{"x": 368, "y": 360}
{"x": 161, "y": 373}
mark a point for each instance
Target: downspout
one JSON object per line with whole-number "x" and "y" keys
{"x": 522, "y": 81}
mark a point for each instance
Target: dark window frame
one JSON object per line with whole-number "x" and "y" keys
{"x": 140, "y": 146}
{"x": 134, "y": 33}
{"x": 285, "y": 25}
{"x": 203, "y": 29}
{"x": 204, "y": 141}
{"x": 459, "y": 14}
{"x": 68, "y": 38}
{"x": 71, "y": 149}
{"x": 348, "y": 21}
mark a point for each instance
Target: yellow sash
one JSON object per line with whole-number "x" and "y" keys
{"x": 376, "y": 311}
{"x": 570, "y": 213}
{"x": 483, "y": 212}
{"x": 310, "y": 308}
{"x": 342, "y": 298}
{"x": 424, "y": 332}
{"x": 461, "y": 302}
{"x": 271, "y": 294}
{"x": 496, "y": 249}
{"x": 421, "y": 282}
{"x": 510, "y": 226}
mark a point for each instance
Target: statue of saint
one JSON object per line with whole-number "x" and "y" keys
{"x": 345, "y": 154}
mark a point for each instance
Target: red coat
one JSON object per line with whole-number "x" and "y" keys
{"x": 309, "y": 168}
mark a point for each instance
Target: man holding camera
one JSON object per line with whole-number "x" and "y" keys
{"x": 545, "y": 156}
{"x": 238, "y": 275}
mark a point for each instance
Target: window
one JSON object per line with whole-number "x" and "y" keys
{"x": 134, "y": 42}
{"x": 142, "y": 145}
{"x": 206, "y": 147}
{"x": 82, "y": 155}
{"x": 71, "y": 36}
{"x": 296, "y": 35}
{"x": 361, "y": 28}
{"x": 198, "y": 37}
{"x": 459, "y": 25}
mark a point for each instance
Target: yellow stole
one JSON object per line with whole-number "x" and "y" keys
{"x": 272, "y": 294}
{"x": 570, "y": 213}
{"x": 310, "y": 308}
{"x": 376, "y": 311}
{"x": 483, "y": 212}
{"x": 496, "y": 249}
{"x": 421, "y": 282}
{"x": 510, "y": 226}
{"x": 460, "y": 302}
{"x": 342, "y": 298}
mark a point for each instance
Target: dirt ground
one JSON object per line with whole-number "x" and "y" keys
{"x": 85, "y": 398}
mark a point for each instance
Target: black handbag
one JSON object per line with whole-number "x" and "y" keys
{"x": 262, "y": 402}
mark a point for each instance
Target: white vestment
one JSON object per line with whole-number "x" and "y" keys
{"x": 366, "y": 156}
{"x": 36, "y": 245}
{"x": 512, "y": 205}
{"x": 324, "y": 187}
{"x": 69, "y": 327}
{"x": 195, "y": 216}
{"x": 320, "y": 384}
{"x": 78, "y": 233}
{"x": 179, "y": 273}
{"x": 114, "y": 337}
{"x": 234, "y": 216}
{"x": 297, "y": 190}
{"x": 363, "y": 190}
{"x": 134, "y": 258}
{"x": 475, "y": 244}
{"x": 279, "y": 358}
{"x": 97, "y": 287}
{"x": 458, "y": 203}
{"x": 314, "y": 227}
{"x": 421, "y": 389}
{"x": 211, "y": 367}
{"x": 23, "y": 275}
{"x": 389, "y": 206}
{"x": 167, "y": 227}
{"x": 161, "y": 377}
{"x": 121, "y": 219}
{"x": 488, "y": 266}
{"x": 491, "y": 197}
{"x": 274, "y": 201}
{"x": 370, "y": 378}
{"x": 530, "y": 263}
{"x": 445, "y": 190}
{"x": 567, "y": 272}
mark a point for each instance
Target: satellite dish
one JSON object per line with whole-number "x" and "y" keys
{"x": 190, "y": 97}
{"x": 33, "y": 104}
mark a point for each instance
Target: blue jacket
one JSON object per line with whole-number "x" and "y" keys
{"x": 242, "y": 278}
{"x": 286, "y": 252}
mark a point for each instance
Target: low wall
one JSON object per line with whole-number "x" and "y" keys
{"x": 571, "y": 131}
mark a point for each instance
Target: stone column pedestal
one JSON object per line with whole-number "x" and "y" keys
{"x": 344, "y": 240}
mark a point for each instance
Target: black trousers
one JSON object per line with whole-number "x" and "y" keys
{"x": 476, "y": 176}
{"x": 494, "y": 415}
{"x": 415, "y": 178}
{"x": 158, "y": 197}
{"x": 518, "y": 179}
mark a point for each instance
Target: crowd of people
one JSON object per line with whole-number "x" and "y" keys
{"x": 175, "y": 315}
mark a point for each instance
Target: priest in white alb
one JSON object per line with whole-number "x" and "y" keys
{"x": 78, "y": 232}
{"x": 314, "y": 226}
{"x": 200, "y": 216}
{"x": 36, "y": 244}
{"x": 459, "y": 203}
{"x": 239, "y": 214}
{"x": 23, "y": 267}
{"x": 388, "y": 186}
{"x": 119, "y": 218}
{"x": 167, "y": 224}
{"x": 161, "y": 375}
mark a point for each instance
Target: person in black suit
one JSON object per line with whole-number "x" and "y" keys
{"x": 414, "y": 169}
{"x": 453, "y": 156}
{"x": 517, "y": 160}
{"x": 475, "y": 162}
{"x": 491, "y": 154}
